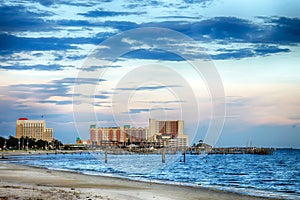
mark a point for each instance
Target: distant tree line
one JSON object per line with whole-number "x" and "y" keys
{"x": 12, "y": 143}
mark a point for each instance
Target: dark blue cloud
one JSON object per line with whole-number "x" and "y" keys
{"x": 76, "y": 57}
{"x": 283, "y": 30}
{"x": 177, "y": 17}
{"x": 202, "y": 3}
{"x": 95, "y": 68}
{"x": 47, "y": 3}
{"x": 103, "y": 13}
{"x": 78, "y": 81}
{"x": 66, "y": 102}
{"x": 43, "y": 91}
{"x": 155, "y": 54}
{"x": 101, "y": 96}
{"x": 155, "y": 87}
{"x": 61, "y": 56}
{"x": 163, "y": 102}
{"x": 140, "y": 4}
{"x": 119, "y": 25}
{"x": 223, "y": 28}
{"x": 141, "y": 110}
{"x": 18, "y": 18}
{"x": 269, "y": 49}
{"x": 9, "y": 58}
{"x": 52, "y": 67}
{"x": 10, "y": 43}
{"x": 258, "y": 50}
{"x": 231, "y": 29}
{"x": 16, "y": 44}
{"x": 38, "y": 54}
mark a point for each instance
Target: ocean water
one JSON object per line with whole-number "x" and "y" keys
{"x": 276, "y": 175}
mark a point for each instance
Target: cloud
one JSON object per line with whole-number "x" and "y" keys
{"x": 229, "y": 28}
{"x": 103, "y": 13}
{"x": 153, "y": 54}
{"x": 141, "y": 110}
{"x": 162, "y": 102}
{"x": 139, "y": 4}
{"x": 269, "y": 49}
{"x": 52, "y": 67}
{"x": 155, "y": 87}
{"x": 282, "y": 30}
{"x": 58, "y": 88}
{"x": 95, "y": 68}
{"x": 118, "y": 25}
{"x": 176, "y": 17}
{"x": 12, "y": 43}
{"x": 258, "y": 50}
{"x": 19, "y": 18}
{"x": 47, "y": 3}
{"x": 76, "y": 57}
{"x": 66, "y": 102}
{"x": 63, "y": 2}
{"x": 71, "y": 81}
{"x": 101, "y": 96}
{"x": 275, "y": 30}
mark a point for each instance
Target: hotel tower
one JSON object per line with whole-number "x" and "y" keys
{"x": 33, "y": 129}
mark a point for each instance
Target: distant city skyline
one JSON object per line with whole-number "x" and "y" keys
{"x": 254, "y": 47}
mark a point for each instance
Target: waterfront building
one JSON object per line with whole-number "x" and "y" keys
{"x": 174, "y": 128}
{"x": 136, "y": 134}
{"x": 33, "y": 129}
{"x": 169, "y": 132}
{"x": 107, "y": 136}
{"x": 179, "y": 142}
{"x": 159, "y": 133}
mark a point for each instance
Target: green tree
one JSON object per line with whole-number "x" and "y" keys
{"x": 12, "y": 143}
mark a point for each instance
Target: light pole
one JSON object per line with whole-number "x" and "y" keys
{"x": 19, "y": 142}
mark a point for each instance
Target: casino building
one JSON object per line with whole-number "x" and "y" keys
{"x": 159, "y": 133}
{"x": 33, "y": 129}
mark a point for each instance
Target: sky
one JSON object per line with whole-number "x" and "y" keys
{"x": 228, "y": 68}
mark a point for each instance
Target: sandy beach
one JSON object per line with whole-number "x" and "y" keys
{"x": 24, "y": 182}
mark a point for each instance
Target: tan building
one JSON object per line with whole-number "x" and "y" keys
{"x": 33, "y": 129}
{"x": 107, "y": 135}
{"x": 171, "y": 132}
{"x": 167, "y": 133}
{"x": 117, "y": 135}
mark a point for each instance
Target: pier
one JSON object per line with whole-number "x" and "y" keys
{"x": 231, "y": 150}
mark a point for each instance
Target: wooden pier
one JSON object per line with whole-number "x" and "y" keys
{"x": 231, "y": 150}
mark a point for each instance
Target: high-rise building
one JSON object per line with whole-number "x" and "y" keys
{"x": 33, "y": 129}
{"x": 165, "y": 133}
{"x": 136, "y": 134}
{"x": 174, "y": 128}
{"x": 171, "y": 131}
{"x": 107, "y": 135}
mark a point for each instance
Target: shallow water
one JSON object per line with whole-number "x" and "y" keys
{"x": 276, "y": 175}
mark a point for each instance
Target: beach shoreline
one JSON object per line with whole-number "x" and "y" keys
{"x": 24, "y": 182}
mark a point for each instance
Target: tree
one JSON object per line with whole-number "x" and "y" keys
{"x": 2, "y": 141}
{"x": 12, "y": 143}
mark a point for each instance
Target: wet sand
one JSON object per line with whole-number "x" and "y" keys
{"x": 24, "y": 182}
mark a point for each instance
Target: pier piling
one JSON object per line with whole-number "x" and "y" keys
{"x": 163, "y": 156}
{"x": 106, "y": 158}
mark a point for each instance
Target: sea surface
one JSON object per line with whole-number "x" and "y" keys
{"x": 276, "y": 175}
